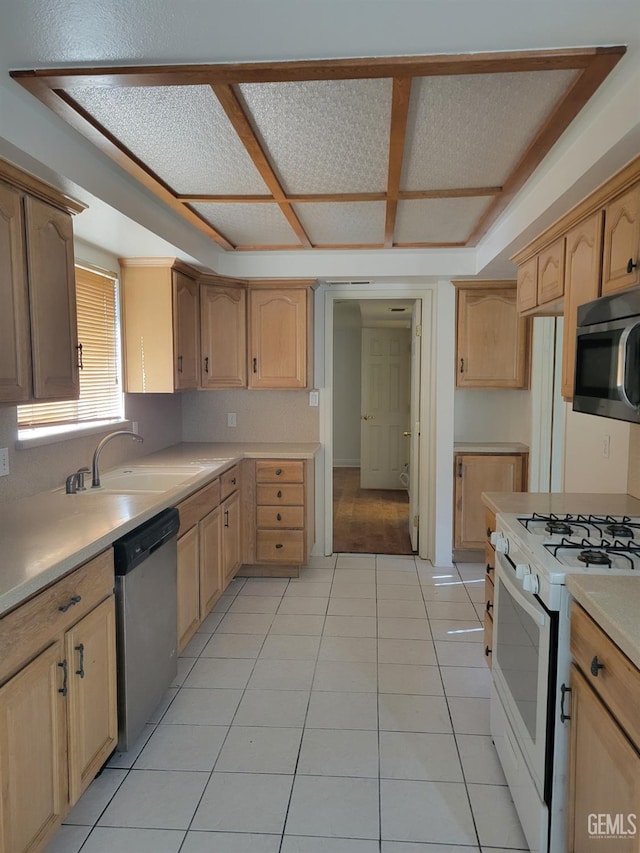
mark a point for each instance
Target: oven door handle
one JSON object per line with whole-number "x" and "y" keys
{"x": 539, "y": 617}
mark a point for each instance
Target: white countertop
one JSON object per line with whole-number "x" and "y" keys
{"x": 561, "y": 502}
{"x": 613, "y": 603}
{"x": 45, "y": 536}
{"x": 488, "y": 447}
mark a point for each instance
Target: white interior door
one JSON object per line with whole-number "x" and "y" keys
{"x": 414, "y": 418}
{"x": 385, "y": 407}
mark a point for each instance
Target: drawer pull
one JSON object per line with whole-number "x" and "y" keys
{"x": 63, "y": 689}
{"x": 71, "y": 603}
{"x": 278, "y": 472}
{"x": 596, "y": 666}
{"x": 278, "y": 517}
{"x": 631, "y": 266}
{"x": 226, "y": 518}
{"x": 233, "y": 481}
{"x": 563, "y": 691}
{"x": 206, "y": 364}
{"x": 279, "y": 494}
{"x": 80, "y": 649}
{"x": 489, "y": 569}
{"x": 279, "y": 545}
{"x": 487, "y": 651}
{"x": 489, "y": 533}
{"x": 489, "y": 607}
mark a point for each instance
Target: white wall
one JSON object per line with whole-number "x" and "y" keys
{"x": 347, "y": 374}
{"x": 492, "y": 414}
{"x": 586, "y": 469}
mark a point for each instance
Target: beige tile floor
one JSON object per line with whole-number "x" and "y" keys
{"x": 346, "y": 711}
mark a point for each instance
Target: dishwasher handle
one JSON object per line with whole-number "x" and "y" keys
{"x": 133, "y": 548}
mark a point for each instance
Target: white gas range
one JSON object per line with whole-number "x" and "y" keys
{"x": 530, "y": 713}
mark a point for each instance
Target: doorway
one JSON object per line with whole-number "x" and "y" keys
{"x": 372, "y": 418}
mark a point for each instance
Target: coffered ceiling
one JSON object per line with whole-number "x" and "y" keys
{"x": 407, "y": 152}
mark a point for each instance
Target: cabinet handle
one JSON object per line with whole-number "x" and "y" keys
{"x": 489, "y": 607}
{"x": 459, "y": 469}
{"x": 596, "y": 666}
{"x": 206, "y": 364}
{"x": 487, "y": 651}
{"x": 80, "y": 649}
{"x": 489, "y": 532}
{"x": 80, "y": 364}
{"x": 179, "y": 364}
{"x": 278, "y": 472}
{"x": 278, "y": 517}
{"x": 233, "y": 481}
{"x": 462, "y": 365}
{"x": 255, "y": 365}
{"x": 489, "y": 569}
{"x": 631, "y": 266}
{"x": 71, "y": 603}
{"x": 63, "y": 689}
{"x": 563, "y": 692}
{"x": 278, "y": 494}
{"x": 279, "y": 545}
{"x": 226, "y": 518}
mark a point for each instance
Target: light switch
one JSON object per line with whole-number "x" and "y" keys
{"x": 314, "y": 398}
{"x": 231, "y": 419}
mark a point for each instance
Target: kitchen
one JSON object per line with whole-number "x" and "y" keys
{"x": 36, "y": 140}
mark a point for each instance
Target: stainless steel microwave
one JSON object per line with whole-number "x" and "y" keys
{"x": 607, "y": 378}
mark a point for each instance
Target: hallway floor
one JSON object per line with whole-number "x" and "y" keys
{"x": 319, "y": 715}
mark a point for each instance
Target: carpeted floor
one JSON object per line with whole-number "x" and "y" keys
{"x": 368, "y": 521}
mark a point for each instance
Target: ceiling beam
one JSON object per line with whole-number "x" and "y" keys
{"x": 242, "y": 126}
{"x": 397, "y": 135}
{"x": 328, "y": 198}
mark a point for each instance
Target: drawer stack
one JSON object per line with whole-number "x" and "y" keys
{"x": 280, "y": 511}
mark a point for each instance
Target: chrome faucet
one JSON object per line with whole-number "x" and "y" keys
{"x": 95, "y": 479}
{"x": 75, "y": 482}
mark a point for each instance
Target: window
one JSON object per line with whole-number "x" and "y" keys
{"x": 101, "y": 397}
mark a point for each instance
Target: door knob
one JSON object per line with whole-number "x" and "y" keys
{"x": 406, "y": 434}
{"x": 368, "y": 417}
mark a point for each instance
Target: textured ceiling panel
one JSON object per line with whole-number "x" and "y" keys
{"x": 343, "y": 224}
{"x": 470, "y": 130}
{"x": 438, "y": 220}
{"x": 249, "y": 224}
{"x": 324, "y": 136}
{"x": 180, "y": 132}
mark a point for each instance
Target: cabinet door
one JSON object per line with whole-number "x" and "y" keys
{"x": 604, "y": 775}
{"x": 582, "y": 277}
{"x": 33, "y": 768}
{"x": 474, "y": 475}
{"x": 186, "y": 331}
{"x": 620, "y": 268}
{"x": 188, "y": 586}
{"x": 52, "y": 299}
{"x": 231, "y": 536}
{"x": 551, "y": 272}
{"x": 493, "y": 342}
{"x": 528, "y": 285}
{"x": 278, "y": 343}
{"x": 15, "y": 340}
{"x": 223, "y": 335}
{"x": 90, "y": 649}
{"x": 211, "y": 580}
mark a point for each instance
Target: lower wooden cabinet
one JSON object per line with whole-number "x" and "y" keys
{"x": 210, "y": 577}
{"x": 231, "y": 537}
{"x": 188, "y": 590}
{"x": 477, "y": 473}
{"x": 58, "y": 711}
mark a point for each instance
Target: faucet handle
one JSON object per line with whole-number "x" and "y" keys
{"x": 80, "y": 478}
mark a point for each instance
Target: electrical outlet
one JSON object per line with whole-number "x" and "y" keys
{"x": 134, "y": 426}
{"x": 231, "y": 419}
{"x": 4, "y": 461}
{"x": 314, "y": 398}
{"x": 606, "y": 445}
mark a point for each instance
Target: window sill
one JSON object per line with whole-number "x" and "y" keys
{"x": 29, "y": 439}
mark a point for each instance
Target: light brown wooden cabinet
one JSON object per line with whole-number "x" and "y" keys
{"x": 58, "y": 722}
{"x": 493, "y": 342}
{"x": 489, "y": 589}
{"x": 160, "y": 307}
{"x": 621, "y": 259}
{"x": 279, "y": 337}
{"x": 188, "y": 585}
{"x": 477, "y": 473}
{"x": 604, "y": 753}
{"x": 280, "y": 512}
{"x": 231, "y": 550}
{"x": 38, "y": 329}
{"x": 223, "y": 336}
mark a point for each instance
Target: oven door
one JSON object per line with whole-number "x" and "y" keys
{"x": 523, "y": 662}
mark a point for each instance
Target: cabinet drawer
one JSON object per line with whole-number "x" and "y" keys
{"x": 198, "y": 505}
{"x": 490, "y": 558}
{"x": 34, "y": 625}
{"x": 277, "y": 495}
{"x": 280, "y": 546}
{"x": 280, "y": 516}
{"x": 488, "y": 640}
{"x": 609, "y": 672}
{"x": 280, "y": 471}
{"x": 229, "y": 482}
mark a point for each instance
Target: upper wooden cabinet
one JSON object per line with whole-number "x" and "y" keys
{"x": 493, "y": 341}
{"x": 160, "y": 307}
{"x": 621, "y": 242}
{"x": 223, "y": 336}
{"x": 38, "y": 330}
{"x": 279, "y": 337}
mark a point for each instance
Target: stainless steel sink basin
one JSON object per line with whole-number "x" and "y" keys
{"x": 144, "y": 479}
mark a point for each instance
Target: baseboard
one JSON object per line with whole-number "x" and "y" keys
{"x": 263, "y": 570}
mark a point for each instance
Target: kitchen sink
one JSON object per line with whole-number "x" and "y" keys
{"x": 144, "y": 479}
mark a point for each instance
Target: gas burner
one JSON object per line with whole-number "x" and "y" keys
{"x": 558, "y": 526}
{"x": 594, "y": 558}
{"x": 619, "y": 529}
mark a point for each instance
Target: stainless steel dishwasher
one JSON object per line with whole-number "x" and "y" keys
{"x": 146, "y": 620}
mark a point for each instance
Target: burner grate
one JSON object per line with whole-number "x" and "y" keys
{"x": 597, "y": 553}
